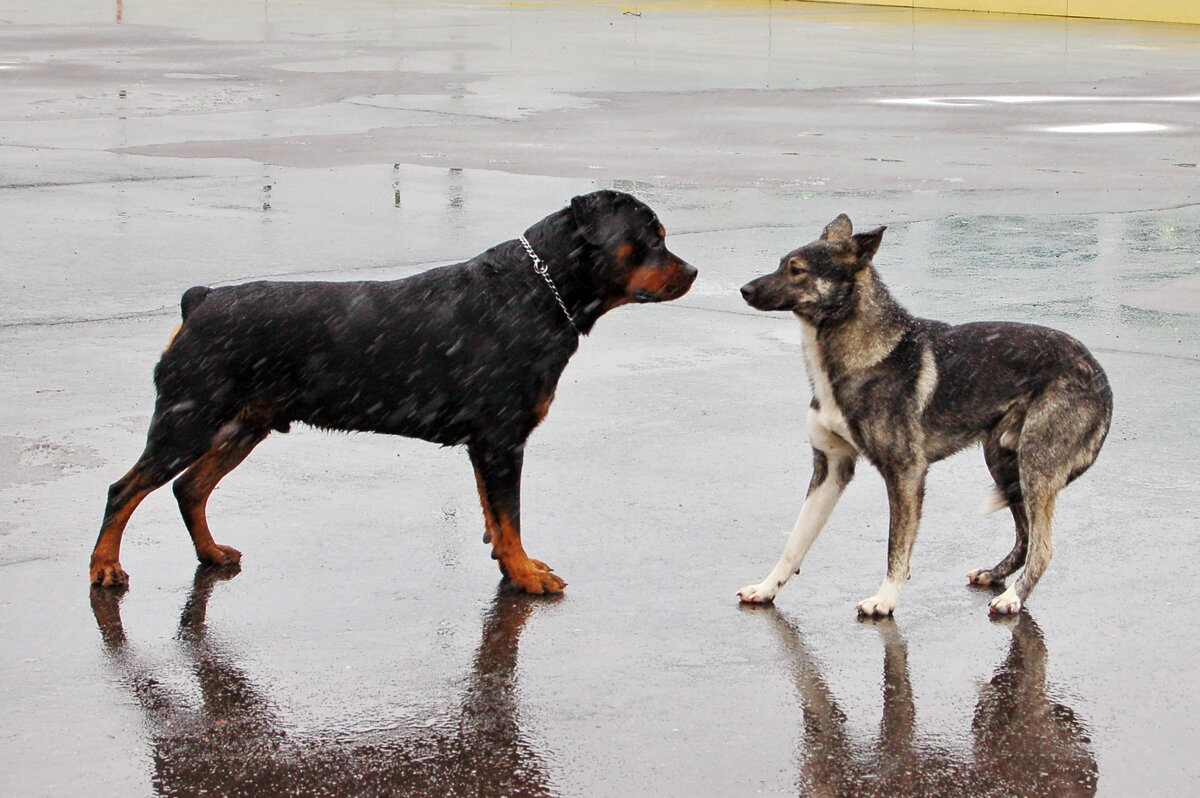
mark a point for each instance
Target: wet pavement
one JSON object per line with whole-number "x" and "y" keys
{"x": 1028, "y": 169}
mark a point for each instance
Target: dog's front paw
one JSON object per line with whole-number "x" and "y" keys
{"x": 109, "y": 574}
{"x": 1007, "y": 603}
{"x": 534, "y": 576}
{"x": 757, "y": 594}
{"x": 983, "y": 577}
{"x": 876, "y": 607}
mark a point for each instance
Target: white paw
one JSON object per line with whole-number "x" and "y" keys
{"x": 877, "y": 606}
{"x": 981, "y": 576}
{"x": 757, "y": 594}
{"x": 1006, "y": 603}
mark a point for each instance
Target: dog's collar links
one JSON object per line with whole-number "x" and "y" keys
{"x": 541, "y": 268}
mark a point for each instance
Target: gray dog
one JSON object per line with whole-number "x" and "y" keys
{"x": 907, "y": 392}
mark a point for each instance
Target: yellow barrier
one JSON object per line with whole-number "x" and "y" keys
{"x": 1141, "y": 10}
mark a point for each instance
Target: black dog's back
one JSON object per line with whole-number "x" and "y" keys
{"x": 427, "y": 356}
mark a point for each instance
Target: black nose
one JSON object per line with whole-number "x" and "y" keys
{"x": 747, "y": 291}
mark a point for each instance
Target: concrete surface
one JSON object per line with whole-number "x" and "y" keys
{"x": 364, "y": 649}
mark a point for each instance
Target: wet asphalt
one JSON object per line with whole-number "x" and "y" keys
{"x": 367, "y": 646}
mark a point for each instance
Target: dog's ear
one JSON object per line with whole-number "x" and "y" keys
{"x": 838, "y": 230}
{"x": 867, "y": 244}
{"x": 592, "y": 212}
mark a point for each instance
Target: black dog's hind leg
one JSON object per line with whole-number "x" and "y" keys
{"x": 175, "y": 440}
{"x": 233, "y": 444}
{"x": 906, "y": 491}
{"x": 498, "y": 476}
{"x": 1002, "y": 464}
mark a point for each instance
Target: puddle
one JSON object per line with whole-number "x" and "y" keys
{"x": 27, "y": 461}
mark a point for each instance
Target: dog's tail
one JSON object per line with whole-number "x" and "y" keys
{"x": 994, "y": 502}
{"x": 192, "y": 299}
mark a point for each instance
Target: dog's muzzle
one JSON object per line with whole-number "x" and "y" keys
{"x": 763, "y": 294}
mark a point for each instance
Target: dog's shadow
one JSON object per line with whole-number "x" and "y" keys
{"x": 232, "y": 742}
{"x": 1023, "y": 742}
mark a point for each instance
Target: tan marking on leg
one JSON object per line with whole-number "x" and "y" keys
{"x": 202, "y": 478}
{"x": 531, "y": 576}
{"x": 105, "y": 567}
{"x": 193, "y": 489}
{"x": 489, "y": 520}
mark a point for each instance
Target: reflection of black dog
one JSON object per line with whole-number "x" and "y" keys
{"x": 907, "y": 392}
{"x": 234, "y": 743}
{"x": 1023, "y": 743}
{"x": 465, "y": 354}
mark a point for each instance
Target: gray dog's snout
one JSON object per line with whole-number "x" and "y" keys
{"x": 747, "y": 291}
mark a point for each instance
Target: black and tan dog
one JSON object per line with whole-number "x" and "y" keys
{"x": 906, "y": 392}
{"x": 468, "y": 354}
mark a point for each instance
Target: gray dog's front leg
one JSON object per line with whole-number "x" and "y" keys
{"x": 906, "y": 489}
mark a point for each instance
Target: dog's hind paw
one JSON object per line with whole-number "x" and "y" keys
{"x": 1007, "y": 603}
{"x": 220, "y": 555}
{"x": 876, "y": 607}
{"x": 756, "y": 594}
{"x": 983, "y": 577}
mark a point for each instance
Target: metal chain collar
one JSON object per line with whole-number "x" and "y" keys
{"x": 541, "y": 268}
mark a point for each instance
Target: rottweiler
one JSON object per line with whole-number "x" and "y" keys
{"x": 468, "y": 354}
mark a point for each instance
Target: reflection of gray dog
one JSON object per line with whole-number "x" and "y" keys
{"x": 907, "y": 392}
{"x": 1023, "y": 743}
{"x": 235, "y": 743}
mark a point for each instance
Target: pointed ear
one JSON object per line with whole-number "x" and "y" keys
{"x": 866, "y": 244}
{"x": 590, "y": 212}
{"x": 837, "y": 230}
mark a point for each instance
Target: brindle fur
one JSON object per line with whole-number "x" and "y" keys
{"x": 906, "y": 392}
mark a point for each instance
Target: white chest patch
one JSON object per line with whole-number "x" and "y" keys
{"x": 830, "y": 416}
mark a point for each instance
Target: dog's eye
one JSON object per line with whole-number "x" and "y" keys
{"x": 795, "y": 270}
